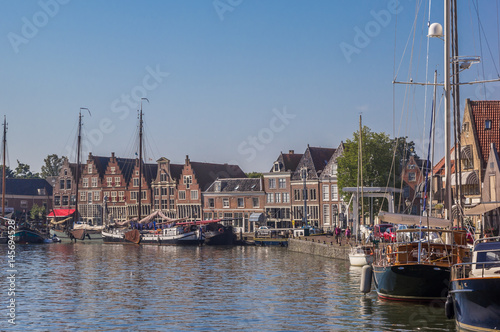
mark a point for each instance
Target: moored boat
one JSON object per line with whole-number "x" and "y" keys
{"x": 177, "y": 235}
{"x": 361, "y": 255}
{"x": 474, "y": 298}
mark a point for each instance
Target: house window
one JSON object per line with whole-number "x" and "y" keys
{"x": 89, "y": 168}
{"x": 136, "y": 182}
{"x": 164, "y": 191}
{"x": 225, "y": 203}
{"x": 241, "y": 202}
{"x": 487, "y": 124}
{"x": 109, "y": 181}
{"x": 188, "y": 180}
{"x": 121, "y": 196}
{"x": 272, "y": 183}
{"x": 282, "y": 183}
{"x": 97, "y": 196}
{"x": 163, "y": 176}
{"x": 94, "y": 182}
{"x": 296, "y": 194}
{"x": 182, "y": 194}
{"x": 171, "y": 190}
{"x": 277, "y": 197}
{"x": 334, "y": 170}
{"x": 172, "y": 204}
{"x": 411, "y": 166}
{"x": 164, "y": 204}
{"x": 83, "y": 196}
{"x": 136, "y": 172}
{"x": 113, "y": 170}
{"x": 24, "y": 204}
{"x": 57, "y": 200}
{"x": 61, "y": 184}
{"x": 65, "y": 172}
{"x": 68, "y": 183}
{"x": 211, "y": 202}
{"x": 335, "y": 192}
{"x": 194, "y": 194}
{"x": 255, "y": 202}
{"x": 85, "y": 182}
{"x": 117, "y": 181}
{"x": 270, "y": 198}
{"x": 133, "y": 195}
{"x": 89, "y": 196}
{"x": 65, "y": 200}
{"x": 286, "y": 198}
{"x": 326, "y": 192}
{"x": 326, "y": 214}
{"x": 465, "y": 127}
{"x": 313, "y": 194}
{"x": 412, "y": 177}
{"x": 106, "y": 194}
{"x": 157, "y": 204}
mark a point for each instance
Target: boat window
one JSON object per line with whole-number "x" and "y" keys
{"x": 489, "y": 256}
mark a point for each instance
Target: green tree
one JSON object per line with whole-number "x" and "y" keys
{"x": 37, "y": 212}
{"x": 23, "y": 171}
{"x": 8, "y": 172}
{"x": 254, "y": 175}
{"x": 52, "y": 165}
{"x": 379, "y": 151}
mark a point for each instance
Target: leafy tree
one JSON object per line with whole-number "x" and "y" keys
{"x": 8, "y": 172}
{"x": 23, "y": 171}
{"x": 37, "y": 212}
{"x": 254, "y": 175}
{"x": 378, "y": 169}
{"x": 52, "y": 165}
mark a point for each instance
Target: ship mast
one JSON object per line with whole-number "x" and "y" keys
{"x": 78, "y": 161}
{"x": 140, "y": 162}
{"x": 3, "y": 168}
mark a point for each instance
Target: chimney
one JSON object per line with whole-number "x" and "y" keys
{"x": 291, "y": 152}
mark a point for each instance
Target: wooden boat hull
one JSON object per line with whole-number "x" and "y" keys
{"x": 119, "y": 237}
{"x": 89, "y": 235}
{"x": 412, "y": 282}
{"x": 28, "y": 236}
{"x": 220, "y": 238}
{"x": 476, "y": 302}
{"x": 186, "y": 239}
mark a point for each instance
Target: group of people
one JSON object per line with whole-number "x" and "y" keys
{"x": 338, "y": 235}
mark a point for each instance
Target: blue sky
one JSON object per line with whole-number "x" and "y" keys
{"x": 228, "y": 80}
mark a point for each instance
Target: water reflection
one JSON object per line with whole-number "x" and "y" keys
{"x": 114, "y": 287}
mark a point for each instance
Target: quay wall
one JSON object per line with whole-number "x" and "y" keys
{"x": 319, "y": 247}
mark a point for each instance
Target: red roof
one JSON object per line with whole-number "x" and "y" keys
{"x": 61, "y": 212}
{"x": 482, "y": 111}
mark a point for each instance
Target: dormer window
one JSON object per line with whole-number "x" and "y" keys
{"x": 487, "y": 124}
{"x": 465, "y": 127}
{"x": 113, "y": 170}
{"x": 217, "y": 186}
{"x": 277, "y": 166}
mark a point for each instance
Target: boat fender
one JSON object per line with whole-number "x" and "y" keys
{"x": 389, "y": 252}
{"x": 448, "y": 307}
{"x": 366, "y": 279}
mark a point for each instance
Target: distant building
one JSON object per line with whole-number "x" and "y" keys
{"x": 22, "y": 194}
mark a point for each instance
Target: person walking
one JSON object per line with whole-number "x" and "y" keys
{"x": 337, "y": 235}
{"x": 348, "y": 234}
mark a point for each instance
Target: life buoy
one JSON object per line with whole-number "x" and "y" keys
{"x": 221, "y": 230}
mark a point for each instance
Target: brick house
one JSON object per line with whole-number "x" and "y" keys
{"x": 132, "y": 196}
{"x": 277, "y": 186}
{"x": 64, "y": 193}
{"x": 165, "y": 187}
{"x": 195, "y": 178}
{"x": 90, "y": 200}
{"x": 413, "y": 177}
{"x": 22, "y": 194}
{"x": 308, "y": 172}
{"x": 234, "y": 199}
{"x": 330, "y": 200}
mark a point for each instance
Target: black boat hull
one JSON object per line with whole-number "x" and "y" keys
{"x": 411, "y": 282}
{"x": 476, "y": 303}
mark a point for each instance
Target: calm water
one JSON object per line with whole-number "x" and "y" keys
{"x": 103, "y": 287}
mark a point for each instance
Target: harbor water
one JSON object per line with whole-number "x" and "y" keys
{"x": 103, "y": 287}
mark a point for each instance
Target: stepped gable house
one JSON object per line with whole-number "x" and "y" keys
{"x": 148, "y": 174}
{"x": 234, "y": 200}
{"x": 165, "y": 187}
{"x": 115, "y": 185}
{"x": 90, "y": 189}
{"x": 195, "y": 178}
{"x": 64, "y": 196}
{"x": 277, "y": 186}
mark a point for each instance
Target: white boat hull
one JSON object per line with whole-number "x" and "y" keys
{"x": 360, "y": 259}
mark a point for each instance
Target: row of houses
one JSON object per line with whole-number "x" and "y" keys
{"x": 108, "y": 188}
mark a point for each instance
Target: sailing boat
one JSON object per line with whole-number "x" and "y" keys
{"x": 80, "y": 230}
{"x": 360, "y": 255}
{"x": 417, "y": 267}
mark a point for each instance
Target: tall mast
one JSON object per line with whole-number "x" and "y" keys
{"x": 140, "y": 163}
{"x": 3, "y": 168}
{"x": 361, "y": 170}
{"x": 447, "y": 131}
{"x": 78, "y": 144}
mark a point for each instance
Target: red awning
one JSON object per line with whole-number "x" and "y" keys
{"x": 61, "y": 213}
